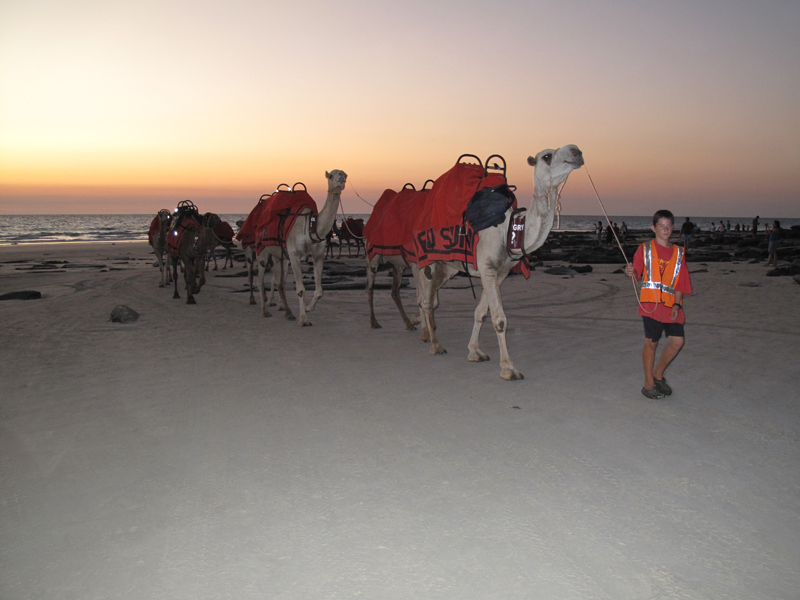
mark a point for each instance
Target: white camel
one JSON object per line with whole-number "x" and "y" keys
{"x": 299, "y": 244}
{"x": 494, "y": 261}
{"x": 159, "y": 244}
{"x": 388, "y": 219}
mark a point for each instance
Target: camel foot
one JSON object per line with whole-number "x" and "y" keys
{"x": 161, "y": 284}
{"x": 289, "y": 316}
{"x": 410, "y": 326}
{"x": 478, "y": 356}
{"x": 437, "y": 349}
{"x": 416, "y": 320}
{"x": 305, "y": 323}
{"x": 190, "y": 301}
{"x": 375, "y": 325}
{"x": 266, "y": 314}
{"x": 176, "y": 296}
{"x": 252, "y": 301}
{"x": 511, "y": 375}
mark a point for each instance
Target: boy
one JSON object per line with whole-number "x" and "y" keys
{"x": 665, "y": 281}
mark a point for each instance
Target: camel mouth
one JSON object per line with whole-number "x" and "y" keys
{"x": 575, "y": 162}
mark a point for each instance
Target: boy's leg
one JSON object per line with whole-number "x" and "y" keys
{"x": 667, "y": 356}
{"x": 649, "y": 361}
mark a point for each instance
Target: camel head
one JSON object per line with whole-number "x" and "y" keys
{"x": 210, "y": 220}
{"x": 552, "y": 167}
{"x": 164, "y": 215}
{"x": 336, "y": 180}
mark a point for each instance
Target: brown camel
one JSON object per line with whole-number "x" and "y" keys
{"x": 158, "y": 240}
{"x": 352, "y": 230}
{"x": 223, "y": 237}
{"x": 190, "y": 236}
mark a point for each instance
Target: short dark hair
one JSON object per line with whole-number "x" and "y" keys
{"x": 663, "y": 214}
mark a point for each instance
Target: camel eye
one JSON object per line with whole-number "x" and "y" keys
{"x": 547, "y": 158}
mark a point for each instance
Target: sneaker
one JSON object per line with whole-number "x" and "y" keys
{"x": 661, "y": 386}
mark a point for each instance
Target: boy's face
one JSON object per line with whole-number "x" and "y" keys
{"x": 662, "y": 229}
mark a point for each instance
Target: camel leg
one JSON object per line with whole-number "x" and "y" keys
{"x": 491, "y": 286}
{"x": 481, "y": 312}
{"x": 250, "y": 261}
{"x": 174, "y": 261}
{"x": 281, "y": 271}
{"x": 318, "y": 291}
{"x": 201, "y": 269}
{"x": 437, "y": 280}
{"x": 397, "y": 279}
{"x": 262, "y": 267}
{"x": 161, "y": 268}
{"x": 273, "y": 290}
{"x": 189, "y": 277}
{"x": 300, "y": 289}
{"x": 372, "y": 269}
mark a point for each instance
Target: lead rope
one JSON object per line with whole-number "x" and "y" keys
{"x": 627, "y": 263}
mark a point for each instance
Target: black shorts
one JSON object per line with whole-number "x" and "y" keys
{"x": 653, "y": 329}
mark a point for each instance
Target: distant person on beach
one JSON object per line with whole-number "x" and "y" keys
{"x": 598, "y": 229}
{"x": 728, "y": 227}
{"x": 609, "y": 236}
{"x": 687, "y": 229}
{"x": 713, "y": 227}
{"x": 665, "y": 281}
{"x": 773, "y": 237}
{"x": 624, "y": 231}
{"x": 755, "y": 226}
{"x": 722, "y": 227}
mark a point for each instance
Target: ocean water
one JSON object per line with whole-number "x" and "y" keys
{"x": 31, "y": 229}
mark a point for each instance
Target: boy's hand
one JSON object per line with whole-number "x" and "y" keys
{"x": 629, "y": 271}
{"x": 675, "y": 312}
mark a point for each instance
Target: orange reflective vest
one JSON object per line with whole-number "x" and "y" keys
{"x": 655, "y": 286}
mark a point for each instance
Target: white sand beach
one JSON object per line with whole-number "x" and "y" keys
{"x": 205, "y": 452}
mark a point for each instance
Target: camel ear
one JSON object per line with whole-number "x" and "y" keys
{"x": 532, "y": 161}
{"x": 327, "y": 175}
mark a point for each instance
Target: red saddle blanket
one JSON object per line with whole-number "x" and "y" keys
{"x": 440, "y": 232}
{"x": 155, "y": 225}
{"x": 278, "y": 215}
{"x": 224, "y": 232}
{"x": 389, "y": 230}
{"x": 186, "y": 222}
{"x": 247, "y": 232}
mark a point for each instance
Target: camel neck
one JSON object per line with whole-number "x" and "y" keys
{"x": 327, "y": 216}
{"x": 540, "y": 217}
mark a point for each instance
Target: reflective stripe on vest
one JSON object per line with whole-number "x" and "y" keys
{"x": 653, "y": 289}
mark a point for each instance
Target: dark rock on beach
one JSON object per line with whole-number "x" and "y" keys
{"x": 560, "y": 271}
{"x": 123, "y": 314}
{"x": 23, "y": 295}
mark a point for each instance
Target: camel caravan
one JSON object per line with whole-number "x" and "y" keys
{"x": 466, "y": 221}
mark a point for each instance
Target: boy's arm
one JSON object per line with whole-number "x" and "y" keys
{"x": 677, "y": 307}
{"x": 635, "y": 268}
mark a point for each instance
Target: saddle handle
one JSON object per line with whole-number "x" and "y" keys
{"x": 470, "y": 156}
{"x": 187, "y": 204}
{"x": 263, "y": 197}
{"x": 288, "y": 189}
{"x": 425, "y": 185}
{"x": 409, "y": 185}
{"x": 294, "y": 187}
{"x": 495, "y": 166}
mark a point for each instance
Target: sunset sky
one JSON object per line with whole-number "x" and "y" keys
{"x": 128, "y": 107}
